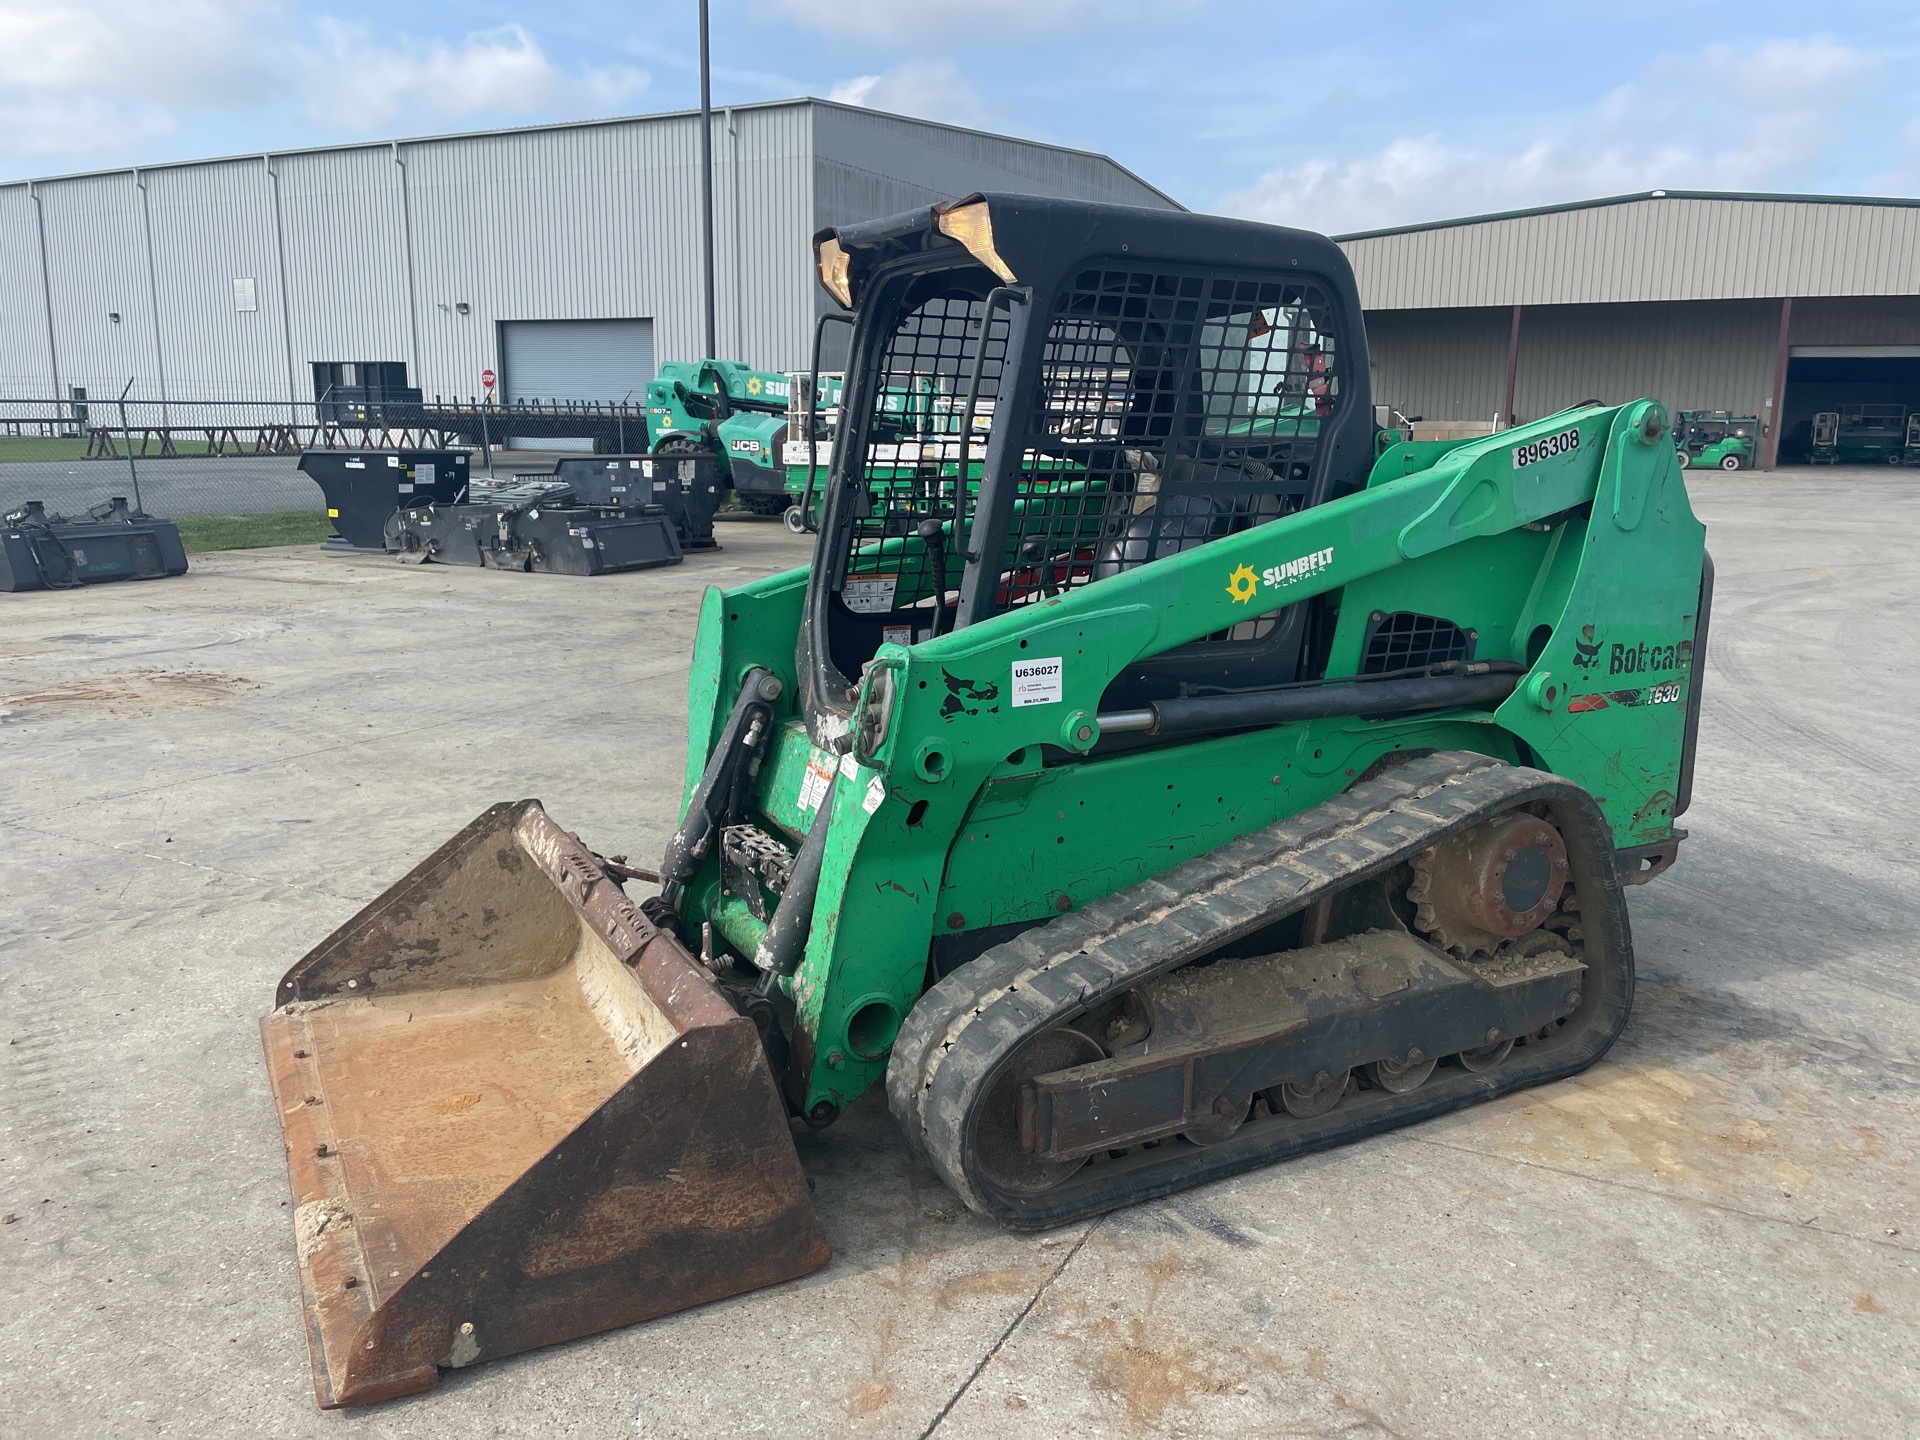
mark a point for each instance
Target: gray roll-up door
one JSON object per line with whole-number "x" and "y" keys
{"x": 576, "y": 359}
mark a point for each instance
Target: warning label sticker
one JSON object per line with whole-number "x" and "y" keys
{"x": 813, "y": 785}
{"x": 1037, "y": 682}
{"x": 869, "y": 594}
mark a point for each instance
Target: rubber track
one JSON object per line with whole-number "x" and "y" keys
{"x": 966, "y": 1027}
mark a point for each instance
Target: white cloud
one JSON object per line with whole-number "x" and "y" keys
{"x": 171, "y": 51}
{"x": 931, "y": 89}
{"x": 367, "y": 85}
{"x": 80, "y": 77}
{"x": 51, "y": 124}
{"x": 1725, "y": 118}
{"x": 910, "y": 20}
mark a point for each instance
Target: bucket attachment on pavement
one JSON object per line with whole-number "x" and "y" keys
{"x": 517, "y": 1113}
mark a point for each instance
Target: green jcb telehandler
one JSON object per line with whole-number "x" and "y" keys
{"x": 1195, "y": 790}
{"x": 730, "y": 410}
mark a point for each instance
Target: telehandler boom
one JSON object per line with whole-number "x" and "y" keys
{"x": 1194, "y": 789}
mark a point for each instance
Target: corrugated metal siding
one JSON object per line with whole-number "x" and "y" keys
{"x": 213, "y": 224}
{"x": 26, "y": 367}
{"x": 604, "y": 222}
{"x": 381, "y": 244}
{"x": 1452, "y": 364}
{"x": 340, "y": 222}
{"x": 1880, "y": 320}
{"x": 1439, "y": 364}
{"x": 97, "y": 266}
{"x": 1704, "y": 355}
{"x": 763, "y": 216}
{"x": 1666, "y": 249}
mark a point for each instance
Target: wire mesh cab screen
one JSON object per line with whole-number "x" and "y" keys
{"x": 1174, "y": 407}
{"x": 1170, "y": 406}
{"x": 913, "y": 457}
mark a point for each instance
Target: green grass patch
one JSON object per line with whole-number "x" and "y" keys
{"x": 201, "y": 533}
{"x": 40, "y": 447}
{"x": 46, "y": 447}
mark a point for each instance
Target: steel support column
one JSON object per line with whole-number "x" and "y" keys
{"x": 46, "y": 286}
{"x": 153, "y": 294}
{"x": 1776, "y": 403}
{"x": 1513, "y": 369}
{"x": 286, "y": 306}
{"x": 406, "y": 258}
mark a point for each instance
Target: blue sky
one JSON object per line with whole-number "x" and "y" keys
{"x": 1335, "y": 116}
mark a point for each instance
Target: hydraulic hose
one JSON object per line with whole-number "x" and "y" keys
{"x": 745, "y": 731}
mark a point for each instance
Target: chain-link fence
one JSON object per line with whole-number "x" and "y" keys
{"x": 237, "y": 457}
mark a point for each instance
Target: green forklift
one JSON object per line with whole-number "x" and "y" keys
{"x": 1716, "y": 439}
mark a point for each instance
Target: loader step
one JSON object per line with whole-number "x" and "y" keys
{"x": 974, "y": 1027}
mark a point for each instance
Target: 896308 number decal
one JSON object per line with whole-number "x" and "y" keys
{"x": 1565, "y": 443}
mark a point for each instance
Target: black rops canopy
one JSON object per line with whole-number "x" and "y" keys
{"x": 1037, "y": 241}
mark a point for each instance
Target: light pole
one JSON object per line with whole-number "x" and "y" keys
{"x": 706, "y": 183}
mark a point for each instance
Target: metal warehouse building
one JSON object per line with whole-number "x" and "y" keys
{"x": 1766, "y": 305}
{"x": 564, "y": 257}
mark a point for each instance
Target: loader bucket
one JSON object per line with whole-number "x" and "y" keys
{"x": 516, "y": 1113}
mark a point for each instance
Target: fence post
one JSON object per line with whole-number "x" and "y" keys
{"x": 127, "y": 436}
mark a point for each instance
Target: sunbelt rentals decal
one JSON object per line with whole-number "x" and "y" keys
{"x": 1245, "y": 582}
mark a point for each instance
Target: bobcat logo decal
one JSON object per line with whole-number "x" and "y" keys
{"x": 1586, "y": 649}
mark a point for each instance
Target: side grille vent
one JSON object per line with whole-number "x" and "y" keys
{"x": 1404, "y": 640}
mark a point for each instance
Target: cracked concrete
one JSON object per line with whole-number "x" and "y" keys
{"x": 1712, "y": 1232}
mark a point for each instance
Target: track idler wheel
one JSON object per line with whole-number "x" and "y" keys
{"x": 1004, "y": 1156}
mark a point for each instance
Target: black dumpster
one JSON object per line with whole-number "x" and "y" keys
{"x": 40, "y": 550}
{"x": 364, "y": 487}
{"x": 687, "y": 487}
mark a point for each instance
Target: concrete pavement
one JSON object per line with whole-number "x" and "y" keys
{"x": 1714, "y": 1231}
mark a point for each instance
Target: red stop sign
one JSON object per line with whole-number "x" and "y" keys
{"x": 487, "y": 378}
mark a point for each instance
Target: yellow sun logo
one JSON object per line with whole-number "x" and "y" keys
{"x": 1242, "y": 584}
{"x": 754, "y": 386}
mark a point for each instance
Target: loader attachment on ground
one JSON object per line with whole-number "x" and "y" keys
{"x": 517, "y": 1113}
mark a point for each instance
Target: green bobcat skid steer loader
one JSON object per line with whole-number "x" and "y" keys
{"x": 1193, "y": 790}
